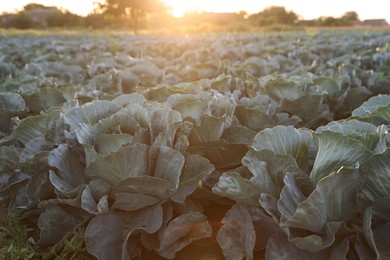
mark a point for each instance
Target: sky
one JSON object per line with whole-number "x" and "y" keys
{"x": 306, "y": 9}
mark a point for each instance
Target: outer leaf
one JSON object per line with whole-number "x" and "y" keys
{"x": 127, "y": 99}
{"x": 371, "y": 104}
{"x": 348, "y": 127}
{"x": 269, "y": 169}
{"x": 56, "y": 221}
{"x": 181, "y": 231}
{"x": 279, "y": 89}
{"x": 355, "y": 97}
{"x": 138, "y": 192}
{"x": 297, "y": 189}
{"x": 133, "y": 201}
{"x": 239, "y": 134}
{"x": 237, "y": 236}
{"x": 35, "y": 126}
{"x": 196, "y": 169}
{"x": 380, "y": 227}
{"x": 188, "y": 105}
{"x": 221, "y": 153}
{"x": 336, "y": 150}
{"x": 107, "y": 144}
{"x": 90, "y": 113}
{"x": 9, "y": 161}
{"x": 254, "y": 118}
{"x": 234, "y": 186}
{"x": 319, "y": 241}
{"x": 169, "y": 165}
{"x": 70, "y": 167}
{"x": 284, "y": 140}
{"x": 367, "y": 133}
{"x": 11, "y": 104}
{"x": 108, "y": 234}
{"x": 209, "y": 129}
{"x": 381, "y": 114}
{"x": 89, "y": 204}
{"x": 376, "y": 171}
{"x": 36, "y": 146}
{"x": 117, "y": 123}
{"x": 279, "y": 247}
{"x": 127, "y": 162}
{"x": 323, "y": 206}
{"x": 162, "y": 118}
{"x": 310, "y": 108}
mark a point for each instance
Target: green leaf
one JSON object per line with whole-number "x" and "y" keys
{"x": 269, "y": 169}
{"x": 162, "y": 93}
{"x": 9, "y": 161}
{"x": 35, "y": 147}
{"x": 188, "y": 105}
{"x": 209, "y": 128}
{"x": 254, "y": 118}
{"x": 127, "y": 162}
{"x": 56, "y": 221}
{"x": 50, "y": 97}
{"x": 279, "y": 247}
{"x": 90, "y": 113}
{"x": 348, "y": 127}
{"x": 234, "y": 186}
{"x": 336, "y": 150}
{"x": 285, "y": 140}
{"x": 355, "y": 97}
{"x": 237, "y": 236}
{"x": 11, "y": 104}
{"x": 376, "y": 172}
{"x": 370, "y": 135}
{"x": 281, "y": 89}
{"x": 311, "y": 108}
{"x": 129, "y": 99}
{"x": 381, "y": 115}
{"x": 298, "y": 187}
{"x": 239, "y": 134}
{"x": 376, "y": 227}
{"x": 71, "y": 169}
{"x": 196, "y": 169}
{"x": 169, "y": 166}
{"x": 322, "y": 206}
{"x": 119, "y": 123}
{"x": 89, "y": 204}
{"x": 162, "y": 118}
{"x": 35, "y": 126}
{"x": 108, "y": 234}
{"x": 107, "y": 144}
{"x": 181, "y": 231}
{"x": 372, "y": 104}
{"x": 221, "y": 153}
{"x": 138, "y": 192}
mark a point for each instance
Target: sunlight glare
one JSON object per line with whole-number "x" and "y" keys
{"x": 180, "y": 7}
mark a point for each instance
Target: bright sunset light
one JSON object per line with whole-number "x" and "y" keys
{"x": 179, "y": 7}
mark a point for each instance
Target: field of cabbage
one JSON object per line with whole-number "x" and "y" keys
{"x": 270, "y": 146}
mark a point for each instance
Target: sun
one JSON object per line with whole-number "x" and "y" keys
{"x": 181, "y": 7}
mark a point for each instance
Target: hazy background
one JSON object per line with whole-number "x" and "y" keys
{"x": 306, "y": 9}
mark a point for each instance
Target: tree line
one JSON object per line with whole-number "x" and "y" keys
{"x": 140, "y": 14}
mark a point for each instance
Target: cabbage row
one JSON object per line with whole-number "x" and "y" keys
{"x": 228, "y": 146}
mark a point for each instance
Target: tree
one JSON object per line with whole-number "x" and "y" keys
{"x": 135, "y": 9}
{"x": 274, "y": 15}
{"x": 350, "y": 17}
{"x": 34, "y": 6}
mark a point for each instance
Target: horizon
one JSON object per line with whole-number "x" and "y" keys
{"x": 305, "y": 9}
